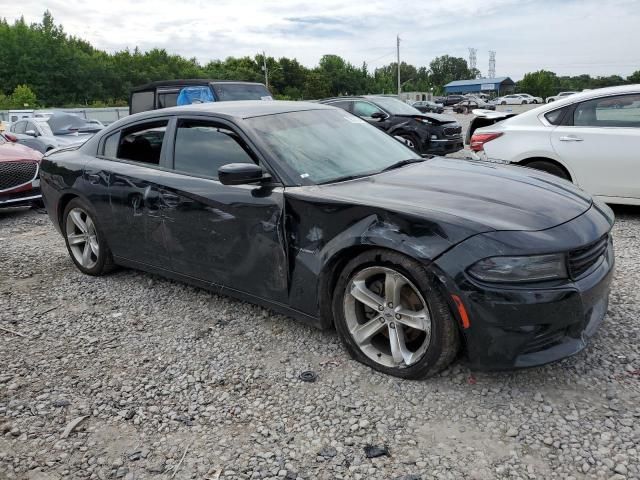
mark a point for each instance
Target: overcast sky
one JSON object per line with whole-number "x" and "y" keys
{"x": 599, "y": 37}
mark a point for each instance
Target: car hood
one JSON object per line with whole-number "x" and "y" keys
{"x": 10, "y": 151}
{"x": 477, "y": 195}
{"x": 432, "y": 117}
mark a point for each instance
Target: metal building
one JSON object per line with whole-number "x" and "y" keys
{"x": 499, "y": 86}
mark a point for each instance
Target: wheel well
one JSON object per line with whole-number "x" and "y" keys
{"x": 62, "y": 204}
{"x": 527, "y": 161}
{"x": 331, "y": 273}
{"x": 329, "y": 278}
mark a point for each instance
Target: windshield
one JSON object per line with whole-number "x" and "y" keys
{"x": 395, "y": 106}
{"x": 240, "y": 91}
{"x": 322, "y": 146}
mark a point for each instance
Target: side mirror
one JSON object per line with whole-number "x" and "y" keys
{"x": 31, "y": 133}
{"x": 11, "y": 137}
{"x": 241, "y": 174}
{"x": 378, "y": 115}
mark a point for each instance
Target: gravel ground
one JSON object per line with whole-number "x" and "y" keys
{"x": 169, "y": 381}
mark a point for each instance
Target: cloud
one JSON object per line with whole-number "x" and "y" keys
{"x": 568, "y": 37}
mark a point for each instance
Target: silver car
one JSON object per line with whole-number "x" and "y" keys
{"x": 54, "y": 131}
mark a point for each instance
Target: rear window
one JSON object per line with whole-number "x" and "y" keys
{"x": 142, "y": 101}
{"x": 240, "y": 91}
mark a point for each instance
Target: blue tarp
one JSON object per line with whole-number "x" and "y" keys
{"x": 189, "y": 95}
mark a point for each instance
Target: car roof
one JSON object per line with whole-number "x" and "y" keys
{"x": 186, "y": 81}
{"x": 358, "y": 97}
{"x": 524, "y": 117}
{"x": 236, "y": 109}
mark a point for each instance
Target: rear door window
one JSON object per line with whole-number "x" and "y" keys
{"x": 142, "y": 143}
{"x": 616, "y": 111}
{"x": 142, "y": 101}
{"x": 202, "y": 147}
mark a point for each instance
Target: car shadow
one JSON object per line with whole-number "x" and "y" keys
{"x": 630, "y": 211}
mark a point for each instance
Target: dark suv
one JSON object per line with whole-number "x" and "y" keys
{"x": 450, "y": 100}
{"x": 169, "y": 93}
{"x": 426, "y": 133}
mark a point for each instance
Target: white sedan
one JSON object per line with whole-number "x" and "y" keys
{"x": 560, "y": 96}
{"x": 511, "y": 100}
{"x": 531, "y": 98}
{"x": 590, "y": 138}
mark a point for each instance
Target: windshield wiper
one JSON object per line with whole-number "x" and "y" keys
{"x": 345, "y": 178}
{"x": 402, "y": 163}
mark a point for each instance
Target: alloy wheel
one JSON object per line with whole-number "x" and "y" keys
{"x": 82, "y": 237}
{"x": 409, "y": 142}
{"x": 387, "y": 317}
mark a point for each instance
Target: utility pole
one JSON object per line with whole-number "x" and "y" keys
{"x": 398, "y": 48}
{"x": 266, "y": 72}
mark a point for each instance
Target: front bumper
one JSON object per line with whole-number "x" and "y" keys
{"x": 444, "y": 146}
{"x": 525, "y": 326}
{"x": 22, "y": 196}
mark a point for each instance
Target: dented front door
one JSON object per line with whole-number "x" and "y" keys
{"x": 229, "y": 235}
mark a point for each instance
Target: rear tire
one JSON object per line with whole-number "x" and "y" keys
{"x": 549, "y": 167}
{"x": 410, "y": 331}
{"x": 86, "y": 243}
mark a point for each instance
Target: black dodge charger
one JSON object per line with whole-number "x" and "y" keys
{"x": 310, "y": 211}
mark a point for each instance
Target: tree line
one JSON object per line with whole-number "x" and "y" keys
{"x": 41, "y": 65}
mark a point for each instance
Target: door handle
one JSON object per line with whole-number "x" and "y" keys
{"x": 570, "y": 138}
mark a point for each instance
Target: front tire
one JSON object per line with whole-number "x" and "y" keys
{"x": 411, "y": 142}
{"x": 390, "y": 316}
{"x": 85, "y": 241}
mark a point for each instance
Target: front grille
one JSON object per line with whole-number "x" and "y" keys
{"x": 13, "y": 174}
{"x": 450, "y": 131}
{"x": 583, "y": 259}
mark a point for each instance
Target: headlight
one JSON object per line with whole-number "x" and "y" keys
{"x": 520, "y": 269}
{"x": 434, "y": 137}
